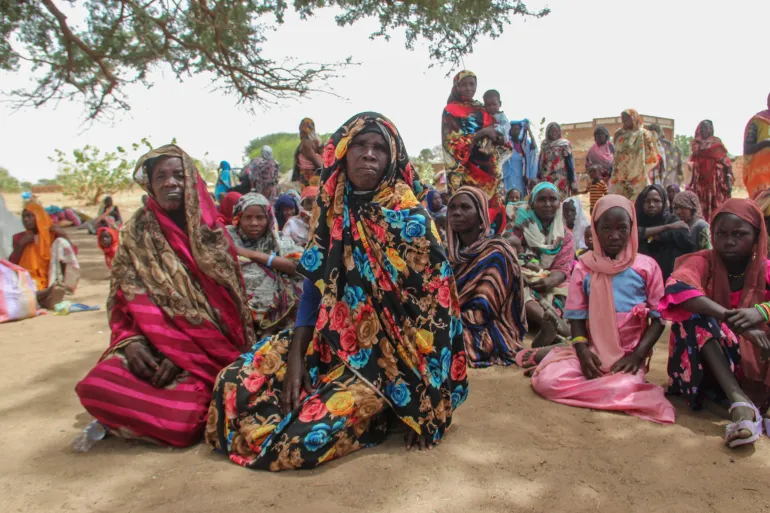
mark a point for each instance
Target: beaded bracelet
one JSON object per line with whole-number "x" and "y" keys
{"x": 764, "y": 309}
{"x": 579, "y": 340}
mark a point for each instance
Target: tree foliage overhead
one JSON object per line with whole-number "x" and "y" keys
{"x": 121, "y": 41}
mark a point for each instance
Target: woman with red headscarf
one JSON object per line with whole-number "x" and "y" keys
{"x": 225, "y": 215}
{"x": 718, "y": 301}
{"x": 108, "y": 239}
{"x": 605, "y": 366}
{"x": 178, "y": 310}
{"x": 465, "y": 125}
{"x": 712, "y": 175}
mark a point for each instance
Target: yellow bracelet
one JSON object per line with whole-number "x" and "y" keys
{"x": 579, "y": 340}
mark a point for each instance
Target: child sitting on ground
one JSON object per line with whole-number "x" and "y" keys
{"x": 598, "y": 189}
{"x": 718, "y": 302}
{"x": 604, "y": 366}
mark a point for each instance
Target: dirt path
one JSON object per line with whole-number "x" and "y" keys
{"x": 508, "y": 449}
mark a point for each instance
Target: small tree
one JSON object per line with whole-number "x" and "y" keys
{"x": 8, "y": 183}
{"x": 92, "y": 173}
{"x": 683, "y": 143}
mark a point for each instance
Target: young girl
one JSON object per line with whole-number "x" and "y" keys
{"x": 604, "y": 367}
{"x": 717, "y": 299}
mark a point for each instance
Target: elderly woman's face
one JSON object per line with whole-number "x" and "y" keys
{"x": 553, "y": 132}
{"x": 628, "y": 123}
{"x": 367, "y": 159}
{"x": 546, "y": 205}
{"x": 253, "y": 222}
{"x": 167, "y": 184}
{"x": 462, "y": 214}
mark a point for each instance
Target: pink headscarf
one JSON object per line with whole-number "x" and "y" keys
{"x": 601, "y": 302}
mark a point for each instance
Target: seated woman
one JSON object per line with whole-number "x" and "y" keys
{"x": 108, "y": 239}
{"x": 662, "y": 236}
{"x": 226, "y": 206}
{"x": 718, "y": 302}
{"x": 687, "y": 208}
{"x": 45, "y": 250}
{"x": 297, "y": 227}
{"x": 177, "y": 310}
{"x": 605, "y": 366}
{"x": 365, "y": 353}
{"x": 109, "y": 214}
{"x": 489, "y": 282}
{"x": 549, "y": 250}
{"x": 268, "y": 262}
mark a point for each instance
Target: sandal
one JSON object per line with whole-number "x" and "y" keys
{"x": 526, "y": 358}
{"x": 754, "y": 426}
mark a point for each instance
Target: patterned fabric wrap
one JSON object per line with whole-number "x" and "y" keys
{"x": 553, "y": 160}
{"x": 711, "y": 171}
{"x": 636, "y": 155}
{"x": 756, "y": 174}
{"x": 466, "y": 163}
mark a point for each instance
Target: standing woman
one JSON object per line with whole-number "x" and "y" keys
{"x": 464, "y": 125}
{"x": 756, "y": 149}
{"x": 662, "y": 235}
{"x": 226, "y": 180}
{"x": 636, "y": 156}
{"x": 557, "y": 164}
{"x": 712, "y": 175}
{"x": 307, "y": 157}
{"x": 264, "y": 174}
{"x": 489, "y": 283}
{"x": 602, "y": 153}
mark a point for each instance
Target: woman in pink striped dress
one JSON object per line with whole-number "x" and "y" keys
{"x": 177, "y": 310}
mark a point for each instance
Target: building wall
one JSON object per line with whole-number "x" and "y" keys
{"x": 581, "y": 135}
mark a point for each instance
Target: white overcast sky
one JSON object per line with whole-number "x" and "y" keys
{"x": 684, "y": 59}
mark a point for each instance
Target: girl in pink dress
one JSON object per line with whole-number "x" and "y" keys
{"x": 604, "y": 368}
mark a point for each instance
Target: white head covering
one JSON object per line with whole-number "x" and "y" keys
{"x": 581, "y": 222}
{"x": 9, "y": 225}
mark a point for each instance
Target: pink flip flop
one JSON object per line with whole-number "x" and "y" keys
{"x": 754, "y": 426}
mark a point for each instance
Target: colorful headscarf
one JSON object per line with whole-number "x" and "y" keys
{"x": 689, "y": 200}
{"x": 311, "y": 191}
{"x": 457, "y": 254}
{"x": 454, "y": 96}
{"x": 546, "y": 245}
{"x": 706, "y": 272}
{"x": 36, "y": 257}
{"x": 180, "y": 286}
{"x": 109, "y": 252}
{"x": 225, "y": 215}
{"x": 264, "y": 173}
{"x": 559, "y": 142}
{"x": 601, "y": 155}
{"x": 601, "y": 301}
{"x": 268, "y": 242}
{"x": 307, "y": 129}
{"x": 389, "y": 307}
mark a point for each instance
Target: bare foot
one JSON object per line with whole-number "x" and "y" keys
{"x": 548, "y": 330}
{"x": 423, "y": 441}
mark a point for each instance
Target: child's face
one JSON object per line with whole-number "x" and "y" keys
{"x": 671, "y": 192}
{"x": 492, "y": 104}
{"x": 105, "y": 239}
{"x": 307, "y": 204}
{"x": 588, "y": 236}
{"x": 569, "y": 213}
{"x": 514, "y": 195}
{"x": 613, "y": 229}
{"x": 734, "y": 238}
{"x": 594, "y": 173}
{"x": 288, "y": 212}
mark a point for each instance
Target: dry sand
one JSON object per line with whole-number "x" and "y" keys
{"x": 508, "y": 449}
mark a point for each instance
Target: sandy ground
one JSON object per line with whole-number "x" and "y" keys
{"x": 508, "y": 449}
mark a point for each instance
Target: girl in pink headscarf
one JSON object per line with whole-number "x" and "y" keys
{"x": 604, "y": 367}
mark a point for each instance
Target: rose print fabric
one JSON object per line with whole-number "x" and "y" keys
{"x": 388, "y": 340}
